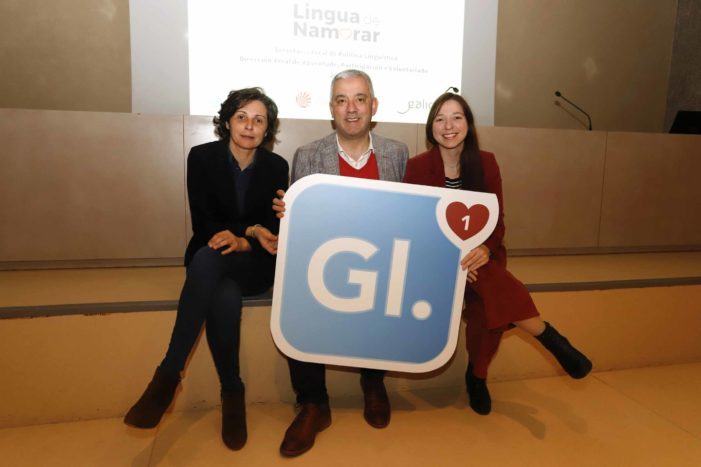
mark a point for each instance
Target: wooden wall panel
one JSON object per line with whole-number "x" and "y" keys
{"x": 65, "y": 55}
{"x": 87, "y": 185}
{"x": 552, "y": 185}
{"x": 611, "y": 58}
{"x": 652, "y": 190}
{"x": 82, "y": 186}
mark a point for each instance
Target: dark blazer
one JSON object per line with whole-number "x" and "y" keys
{"x": 427, "y": 169}
{"x": 212, "y": 195}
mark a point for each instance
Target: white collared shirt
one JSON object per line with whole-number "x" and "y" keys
{"x": 362, "y": 160}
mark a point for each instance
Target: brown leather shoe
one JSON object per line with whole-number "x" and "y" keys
{"x": 377, "y": 410}
{"x": 299, "y": 437}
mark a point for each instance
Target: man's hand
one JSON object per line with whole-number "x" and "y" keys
{"x": 226, "y": 239}
{"x": 475, "y": 259}
{"x": 266, "y": 238}
{"x": 279, "y": 204}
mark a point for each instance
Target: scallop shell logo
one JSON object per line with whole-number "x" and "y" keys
{"x": 303, "y": 99}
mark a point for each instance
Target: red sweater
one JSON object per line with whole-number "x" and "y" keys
{"x": 369, "y": 170}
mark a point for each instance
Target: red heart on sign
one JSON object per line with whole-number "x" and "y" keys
{"x": 466, "y": 222}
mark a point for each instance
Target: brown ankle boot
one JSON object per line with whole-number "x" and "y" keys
{"x": 157, "y": 397}
{"x": 377, "y": 409}
{"x": 299, "y": 437}
{"x": 233, "y": 426}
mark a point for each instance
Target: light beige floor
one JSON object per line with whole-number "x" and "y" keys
{"x": 640, "y": 417}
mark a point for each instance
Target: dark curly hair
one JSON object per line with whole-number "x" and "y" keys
{"x": 471, "y": 171}
{"x": 237, "y": 99}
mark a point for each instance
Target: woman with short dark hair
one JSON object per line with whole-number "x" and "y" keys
{"x": 230, "y": 184}
{"x": 495, "y": 299}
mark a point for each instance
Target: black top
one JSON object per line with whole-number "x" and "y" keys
{"x": 212, "y": 192}
{"x": 242, "y": 179}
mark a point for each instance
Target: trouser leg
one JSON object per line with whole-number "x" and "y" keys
{"x": 482, "y": 344}
{"x": 224, "y": 331}
{"x": 308, "y": 381}
{"x": 368, "y": 373}
{"x": 203, "y": 276}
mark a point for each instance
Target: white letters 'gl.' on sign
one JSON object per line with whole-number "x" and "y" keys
{"x": 368, "y": 272}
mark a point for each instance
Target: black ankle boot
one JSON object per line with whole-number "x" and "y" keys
{"x": 480, "y": 400}
{"x": 157, "y": 397}
{"x": 574, "y": 362}
{"x": 233, "y": 426}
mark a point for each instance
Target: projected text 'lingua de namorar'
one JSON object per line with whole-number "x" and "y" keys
{"x": 333, "y": 24}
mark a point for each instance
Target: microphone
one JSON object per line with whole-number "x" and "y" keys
{"x": 452, "y": 89}
{"x": 559, "y": 94}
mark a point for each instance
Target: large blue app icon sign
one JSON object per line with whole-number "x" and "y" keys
{"x": 368, "y": 272}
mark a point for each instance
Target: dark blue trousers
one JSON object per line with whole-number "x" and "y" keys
{"x": 214, "y": 288}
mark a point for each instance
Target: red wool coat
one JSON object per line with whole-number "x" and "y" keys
{"x": 497, "y": 298}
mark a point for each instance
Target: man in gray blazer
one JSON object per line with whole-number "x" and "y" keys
{"x": 322, "y": 156}
{"x": 352, "y": 150}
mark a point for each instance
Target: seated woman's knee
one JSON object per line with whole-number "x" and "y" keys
{"x": 205, "y": 260}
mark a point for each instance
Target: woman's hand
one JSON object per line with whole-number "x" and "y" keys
{"x": 226, "y": 239}
{"x": 475, "y": 259}
{"x": 265, "y": 237}
{"x": 279, "y": 204}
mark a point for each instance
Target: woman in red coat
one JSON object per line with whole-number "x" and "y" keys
{"x": 495, "y": 299}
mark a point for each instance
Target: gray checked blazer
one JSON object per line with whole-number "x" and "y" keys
{"x": 321, "y": 157}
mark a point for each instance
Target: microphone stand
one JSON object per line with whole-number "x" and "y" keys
{"x": 559, "y": 94}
